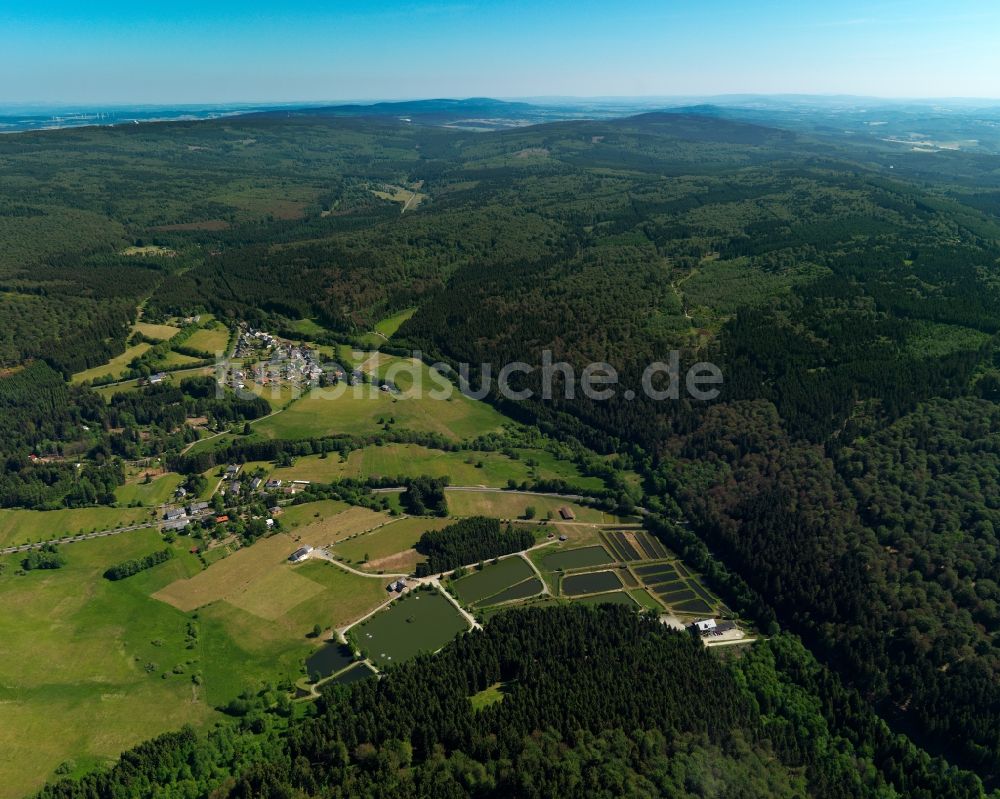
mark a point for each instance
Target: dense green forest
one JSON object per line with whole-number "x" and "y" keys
{"x": 844, "y": 483}
{"x": 581, "y": 702}
{"x": 471, "y": 540}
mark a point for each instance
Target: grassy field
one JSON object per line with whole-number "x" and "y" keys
{"x": 211, "y": 339}
{"x": 240, "y": 579}
{"x": 174, "y": 359}
{"x": 116, "y": 367}
{"x": 422, "y": 621}
{"x": 307, "y": 328}
{"x": 388, "y": 541}
{"x": 157, "y": 492}
{"x": 311, "y": 512}
{"x": 82, "y": 659}
{"x": 468, "y": 467}
{"x": 388, "y": 326}
{"x": 243, "y": 647}
{"x": 158, "y": 332}
{"x": 613, "y": 598}
{"x": 30, "y": 526}
{"x": 511, "y": 505}
{"x": 491, "y": 579}
{"x": 408, "y": 198}
{"x": 366, "y": 409}
{"x": 323, "y": 530}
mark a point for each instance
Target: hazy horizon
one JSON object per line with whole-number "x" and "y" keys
{"x": 110, "y": 52}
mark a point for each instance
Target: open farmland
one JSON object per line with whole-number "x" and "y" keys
{"x": 156, "y": 332}
{"x": 238, "y": 575}
{"x": 366, "y": 409}
{"x": 211, "y": 339}
{"x": 315, "y": 415}
{"x": 96, "y": 694}
{"x": 325, "y": 530}
{"x": 393, "y": 538}
{"x": 31, "y": 526}
{"x": 175, "y": 360}
{"x": 420, "y": 621}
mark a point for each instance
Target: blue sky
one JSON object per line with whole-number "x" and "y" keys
{"x": 95, "y": 51}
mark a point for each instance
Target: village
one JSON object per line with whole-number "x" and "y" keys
{"x": 262, "y": 361}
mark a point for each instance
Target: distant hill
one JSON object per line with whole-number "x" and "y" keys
{"x": 476, "y": 112}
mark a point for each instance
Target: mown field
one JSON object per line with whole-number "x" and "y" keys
{"x": 318, "y": 524}
{"x": 211, "y": 339}
{"x": 395, "y": 538}
{"x": 155, "y": 331}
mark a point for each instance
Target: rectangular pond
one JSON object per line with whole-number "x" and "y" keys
{"x": 577, "y": 558}
{"x": 590, "y": 583}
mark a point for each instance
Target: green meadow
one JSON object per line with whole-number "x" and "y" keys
{"x": 366, "y": 409}
{"x": 464, "y": 467}
{"x": 31, "y": 526}
{"x": 90, "y": 667}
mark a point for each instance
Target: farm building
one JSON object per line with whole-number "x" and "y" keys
{"x": 567, "y": 513}
{"x": 398, "y": 586}
{"x": 174, "y": 513}
{"x": 176, "y": 524}
{"x": 300, "y": 554}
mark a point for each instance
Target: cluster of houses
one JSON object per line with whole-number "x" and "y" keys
{"x": 268, "y": 361}
{"x": 177, "y": 518}
{"x": 283, "y": 361}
